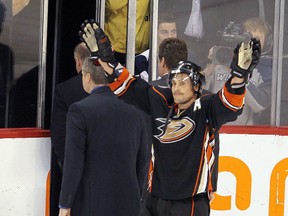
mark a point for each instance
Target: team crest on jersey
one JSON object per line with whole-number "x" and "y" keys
{"x": 176, "y": 130}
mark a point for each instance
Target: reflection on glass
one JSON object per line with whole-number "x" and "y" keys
{"x": 258, "y": 96}
{"x": 6, "y": 72}
{"x": 21, "y": 31}
{"x": 207, "y": 24}
{"x": 284, "y": 92}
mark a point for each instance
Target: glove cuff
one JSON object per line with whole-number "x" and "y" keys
{"x": 240, "y": 73}
{"x": 235, "y": 88}
{"x": 94, "y": 55}
{"x": 113, "y": 65}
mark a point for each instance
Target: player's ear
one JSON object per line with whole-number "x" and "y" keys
{"x": 164, "y": 62}
{"x": 78, "y": 64}
{"x": 89, "y": 78}
{"x": 195, "y": 87}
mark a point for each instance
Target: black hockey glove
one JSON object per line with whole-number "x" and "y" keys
{"x": 245, "y": 59}
{"x": 98, "y": 43}
{"x": 87, "y": 35}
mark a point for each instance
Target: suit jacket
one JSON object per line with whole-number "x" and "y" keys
{"x": 106, "y": 156}
{"x": 66, "y": 93}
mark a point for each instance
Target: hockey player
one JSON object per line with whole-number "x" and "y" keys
{"x": 184, "y": 123}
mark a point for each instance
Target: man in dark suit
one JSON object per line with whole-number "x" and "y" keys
{"x": 66, "y": 93}
{"x": 106, "y": 152}
{"x": 171, "y": 52}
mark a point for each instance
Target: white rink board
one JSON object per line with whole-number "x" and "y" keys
{"x": 25, "y": 163}
{"x": 260, "y": 153}
{"x": 24, "y": 166}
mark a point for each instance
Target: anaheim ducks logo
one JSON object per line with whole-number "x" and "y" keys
{"x": 176, "y": 130}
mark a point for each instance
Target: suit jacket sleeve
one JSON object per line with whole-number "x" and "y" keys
{"x": 74, "y": 155}
{"x": 143, "y": 157}
{"x": 58, "y": 124}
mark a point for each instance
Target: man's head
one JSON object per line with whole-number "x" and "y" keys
{"x": 92, "y": 75}
{"x": 186, "y": 81}
{"x": 258, "y": 28}
{"x": 81, "y": 52}
{"x": 171, "y": 52}
{"x": 166, "y": 26}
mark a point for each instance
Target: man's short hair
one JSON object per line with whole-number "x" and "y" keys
{"x": 173, "y": 50}
{"x": 166, "y": 18}
{"x": 81, "y": 51}
{"x": 97, "y": 72}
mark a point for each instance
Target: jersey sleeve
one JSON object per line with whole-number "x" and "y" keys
{"x": 226, "y": 105}
{"x": 132, "y": 90}
{"x": 233, "y": 100}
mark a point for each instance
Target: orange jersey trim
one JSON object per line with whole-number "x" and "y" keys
{"x": 201, "y": 165}
{"x": 127, "y": 86}
{"x": 120, "y": 80}
{"x": 234, "y": 99}
{"x": 150, "y": 175}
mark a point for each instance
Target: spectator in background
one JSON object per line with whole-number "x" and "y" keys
{"x": 106, "y": 162}
{"x": 198, "y": 21}
{"x": 66, "y": 93}
{"x": 6, "y": 73}
{"x": 258, "y": 97}
{"x": 166, "y": 29}
{"x": 116, "y": 24}
{"x": 171, "y": 52}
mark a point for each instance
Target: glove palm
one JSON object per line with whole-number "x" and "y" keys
{"x": 98, "y": 43}
{"x": 87, "y": 35}
{"x": 245, "y": 59}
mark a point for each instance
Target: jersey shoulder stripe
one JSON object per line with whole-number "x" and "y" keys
{"x": 232, "y": 101}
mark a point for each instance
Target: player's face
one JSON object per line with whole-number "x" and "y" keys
{"x": 166, "y": 30}
{"x": 182, "y": 91}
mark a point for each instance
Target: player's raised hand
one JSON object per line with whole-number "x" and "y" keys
{"x": 106, "y": 52}
{"x": 245, "y": 59}
{"x": 98, "y": 43}
{"x": 87, "y": 35}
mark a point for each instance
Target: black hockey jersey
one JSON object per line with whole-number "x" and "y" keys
{"x": 186, "y": 144}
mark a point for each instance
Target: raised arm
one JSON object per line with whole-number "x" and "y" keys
{"x": 245, "y": 59}
{"x": 100, "y": 47}
{"x": 122, "y": 83}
